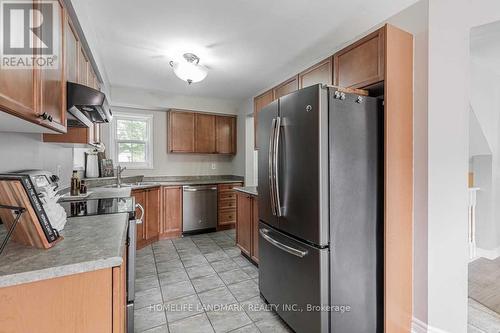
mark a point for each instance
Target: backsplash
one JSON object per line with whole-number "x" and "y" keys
{"x": 19, "y": 151}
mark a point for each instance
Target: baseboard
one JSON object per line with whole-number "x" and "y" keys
{"x": 418, "y": 326}
{"x": 488, "y": 254}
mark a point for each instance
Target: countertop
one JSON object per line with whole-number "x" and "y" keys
{"x": 252, "y": 190}
{"x": 90, "y": 243}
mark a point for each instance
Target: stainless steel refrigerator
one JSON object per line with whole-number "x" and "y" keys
{"x": 320, "y": 198}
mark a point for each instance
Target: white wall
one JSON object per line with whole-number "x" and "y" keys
{"x": 27, "y": 151}
{"x": 166, "y": 164}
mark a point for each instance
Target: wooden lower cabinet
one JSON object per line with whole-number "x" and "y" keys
{"x": 80, "y": 303}
{"x": 171, "y": 224}
{"x": 247, "y": 225}
{"x": 226, "y": 202}
{"x": 150, "y": 200}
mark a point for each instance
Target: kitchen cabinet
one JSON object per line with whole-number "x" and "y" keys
{"x": 226, "y": 202}
{"x": 83, "y": 67}
{"x": 361, "y": 64}
{"x": 225, "y": 132}
{"x": 52, "y": 80}
{"x": 150, "y": 200}
{"x": 286, "y": 87}
{"x": 204, "y": 141}
{"x": 76, "y": 136}
{"x": 200, "y": 132}
{"x": 319, "y": 73}
{"x": 247, "y": 225}
{"x": 72, "y": 50}
{"x": 171, "y": 225}
{"x": 181, "y": 131}
{"x": 258, "y": 104}
{"x": 93, "y": 301}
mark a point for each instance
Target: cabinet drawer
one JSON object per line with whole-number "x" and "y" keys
{"x": 227, "y": 216}
{"x": 230, "y": 195}
{"x": 227, "y": 204}
{"x": 223, "y": 187}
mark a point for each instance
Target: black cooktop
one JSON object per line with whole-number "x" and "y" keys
{"x": 93, "y": 207}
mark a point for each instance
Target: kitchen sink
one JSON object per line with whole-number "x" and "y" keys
{"x": 128, "y": 185}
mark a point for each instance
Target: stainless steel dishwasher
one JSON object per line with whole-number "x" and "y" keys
{"x": 199, "y": 208}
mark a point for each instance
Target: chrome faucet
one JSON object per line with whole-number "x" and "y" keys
{"x": 119, "y": 171}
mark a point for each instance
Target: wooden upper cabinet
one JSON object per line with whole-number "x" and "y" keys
{"x": 52, "y": 80}
{"x": 181, "y": 131}
{"x": 225, "y": 134}
{"x": 319, "y": 73}
{"x": 83, "y": 67}
{"x": 72, "y": 51}
{"x": 286, "y": 87}
{"x": 362, "y": 63}
{"x": 172, "y": 212}
{"x": 204, "y": 141}
{"x": 259, "y": 103}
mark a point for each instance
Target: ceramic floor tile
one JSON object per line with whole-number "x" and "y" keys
{"x": 273, "y": 325}
{"x": 146, "y": 318}
{"x": 147, "y": 282}
{"x": 225, "y": 321}
{"x": 257, "y": 309}
{"x": 242, "y": 261}
{"x": 216, "y": 256}
{"x": 195, "y": 324}
{"x": 207, "y": 283}
{"x": 194, "y": 261}
{"x": 234, "y": 276}
{"x": 224, "y": 265}
{"x": 215, "y": 297}
{"x": 247, "y": 329}
{"x": 183, "y": 307}
{"x": 148, "y": 297}
{"x": 244, "y": 290}
{"x": 158, "y": 329}
{"x": 177, "y": 290}
{"x": 172, "y": 276}
{"x": 170, "y": 265}
{"x": 199, "y": 271}
{"x": 233, "y": 251}
{"x": 251, "y": 270}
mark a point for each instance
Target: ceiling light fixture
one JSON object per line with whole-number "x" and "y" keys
{"x": 189, "y": 70}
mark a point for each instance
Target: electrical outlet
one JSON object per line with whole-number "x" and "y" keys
{"x": 214, "y": 166}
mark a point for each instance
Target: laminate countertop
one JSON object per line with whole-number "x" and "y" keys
{"x": 90, "y": 243}
{"x": 252, "y": 190}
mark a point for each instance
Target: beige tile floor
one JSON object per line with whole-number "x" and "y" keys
{"x": 200, "y": 283}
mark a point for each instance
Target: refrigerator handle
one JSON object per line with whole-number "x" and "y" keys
{"x": 270, "y": 165}
{"x": 296, "y": 252}
{"x": 277, "y": 132}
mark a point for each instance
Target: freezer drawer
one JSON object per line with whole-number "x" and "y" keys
{"x": 293, "y": 275}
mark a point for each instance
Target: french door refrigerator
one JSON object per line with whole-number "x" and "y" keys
{"x": 320, "y": 210}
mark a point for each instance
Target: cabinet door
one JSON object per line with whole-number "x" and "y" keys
{"x": 72, "y": 50}
{"x": 362, "y": 63}
{"x": 181, "y": 131}
{"x": 52, "y": 80}
{"x": 204, "y": 141}
{"x": 154, "y": 213}
{"x": 244, "y": 222}
{"x": 172, "y": 212}
{"x": 255, "y": 230}
{"x": 286, "y": 87}
{"x": 319, "y": 73}
{"x": 140, "y": 198}
{"x": 83, "y": 67}
{"x": 226, "y": 135}
{"x": 259, "y": 103}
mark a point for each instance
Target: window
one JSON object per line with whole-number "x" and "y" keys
{"x": 131, "y": 141}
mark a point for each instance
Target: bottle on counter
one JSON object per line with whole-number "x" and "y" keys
{"x": 75, "y": 183}
{"x": 83, "y": 187}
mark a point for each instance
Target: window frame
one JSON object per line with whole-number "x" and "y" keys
{"x": 114, "y": 141}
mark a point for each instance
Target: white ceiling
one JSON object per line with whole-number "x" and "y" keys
{"x": 247, "y": 45}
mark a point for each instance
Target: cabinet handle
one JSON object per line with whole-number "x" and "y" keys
{"x": 46, "y": 116}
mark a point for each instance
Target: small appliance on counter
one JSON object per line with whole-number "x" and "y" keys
{"x": 29, "y": 208}
{"x": 92, "y": 164}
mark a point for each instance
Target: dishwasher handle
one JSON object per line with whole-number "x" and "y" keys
{"x": 197, "y": 189}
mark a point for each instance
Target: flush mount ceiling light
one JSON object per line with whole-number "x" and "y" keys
{"x": 189, "y": 69}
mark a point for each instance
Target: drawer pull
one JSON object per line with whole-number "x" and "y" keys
{"x": 279, "y": 245}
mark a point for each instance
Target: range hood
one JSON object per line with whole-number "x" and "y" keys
{"x": 86, "y": 106}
